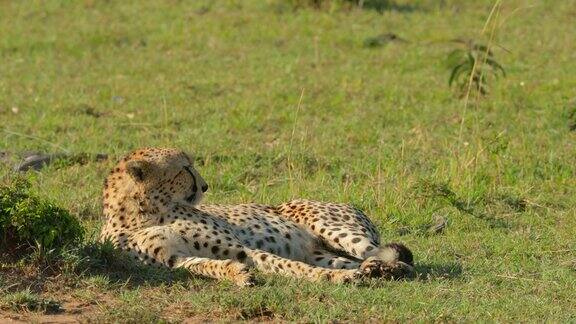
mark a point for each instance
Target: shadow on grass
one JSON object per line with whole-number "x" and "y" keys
{"x": 437, "y": 271}
{"x": 102, "y": 260}
{"x": 101, "y": 265}
{"x": 37, "y": 276}
{"x": 97, "y": 259}
{"x": 423, "y": 272}
{"x": 142, "y": 275}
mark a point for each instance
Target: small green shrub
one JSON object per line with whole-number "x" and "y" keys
{"x": 27, "y": 221}
{"x": 472, "y": 67}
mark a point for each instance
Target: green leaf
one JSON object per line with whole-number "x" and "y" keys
{"x": 496, "y": 66}
{"x": 455, "y": 57}
{"x": 456, "y": 71}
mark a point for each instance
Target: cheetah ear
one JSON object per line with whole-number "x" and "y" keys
{"x": 190, "y": 157}
{"x": 138, "y": 169}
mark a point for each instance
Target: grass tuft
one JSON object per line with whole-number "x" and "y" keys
{"x": 27, "y": 301}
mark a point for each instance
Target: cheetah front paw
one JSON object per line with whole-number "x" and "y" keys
{"x": 396, "y": 270}
{"x": 241, "y": 275}
{"x": 371, "y": 268}
{"x": 375, "y": 268}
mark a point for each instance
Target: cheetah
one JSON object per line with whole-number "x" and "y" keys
{"x": 151, "y": 203}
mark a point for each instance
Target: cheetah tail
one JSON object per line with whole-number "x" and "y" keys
{"x": 394, "y": 252}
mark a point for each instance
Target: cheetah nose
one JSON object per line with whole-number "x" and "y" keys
{"x": 204, "y": 187}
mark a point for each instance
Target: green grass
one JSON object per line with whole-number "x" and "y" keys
{"x": 27, "y": 301}
{"x": 278, "y": 103}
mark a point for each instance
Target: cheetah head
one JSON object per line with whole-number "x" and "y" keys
{"x": 152, "y": 180}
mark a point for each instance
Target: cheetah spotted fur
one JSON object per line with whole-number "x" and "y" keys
{"x": 152, "y": 211}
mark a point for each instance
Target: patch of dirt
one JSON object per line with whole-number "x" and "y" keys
{"x": 23, "y": 277}
{"x": 10, "y": 319}
{"x": 73, "y": 311}
{"x": 39, "y": 318}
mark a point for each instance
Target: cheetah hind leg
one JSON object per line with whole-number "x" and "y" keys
{"x": 391, "y": 261}
{"x": 346, "y": 229}
{"x": 379, "y": 266}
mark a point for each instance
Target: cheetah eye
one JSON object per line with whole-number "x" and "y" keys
{"x": 194, "y": 188}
